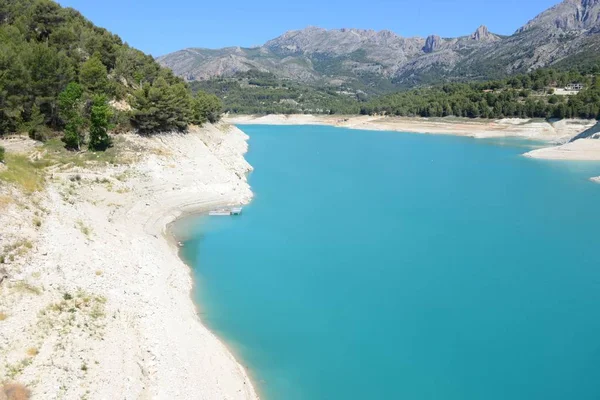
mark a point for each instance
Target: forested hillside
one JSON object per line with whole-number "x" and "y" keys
{"x": 59, "y": 72}
{"x": 540, "y": 94}
{"x": 255, "y": 92}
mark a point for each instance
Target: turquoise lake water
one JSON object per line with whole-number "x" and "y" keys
{"x": 383, "y": 265}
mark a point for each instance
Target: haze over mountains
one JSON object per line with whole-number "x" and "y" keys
{"x": 375, "y": 61}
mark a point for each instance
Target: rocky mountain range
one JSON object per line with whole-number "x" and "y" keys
{"x": 375, "y": 61}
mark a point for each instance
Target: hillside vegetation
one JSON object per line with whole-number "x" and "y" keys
{"x": 59, "y": 72}
{"x": 255, "y": 92}
{"x": 539, "y": 94}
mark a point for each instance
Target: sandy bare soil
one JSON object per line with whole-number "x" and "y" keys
{"x": 94, "y": 300}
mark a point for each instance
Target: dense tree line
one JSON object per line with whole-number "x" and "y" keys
{"x": 527, "y": 95}
{"x": 58, "y": 72}
{"x": 530, "y": 95}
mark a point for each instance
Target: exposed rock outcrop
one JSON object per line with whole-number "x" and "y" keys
{"x": 335, "y": 56}
{"x": 433, "y": 43}
{"x": 568, "y": 16}
{"x": 482, "y": 34}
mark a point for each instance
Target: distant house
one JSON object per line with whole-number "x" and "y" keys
{"x": 574, "y": 86}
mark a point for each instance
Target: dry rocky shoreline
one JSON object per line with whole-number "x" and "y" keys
{"x": 95, "y": 303}
{"x": 552, "y": 132}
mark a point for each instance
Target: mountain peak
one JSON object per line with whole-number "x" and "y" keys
{"x": 483, "y": 34}
{"x": 567, "y": 16}
{"x": 349, "y": 55}
{"x": 433, "y": 43}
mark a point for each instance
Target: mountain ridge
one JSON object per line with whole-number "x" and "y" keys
{"x": 369, "y": 59}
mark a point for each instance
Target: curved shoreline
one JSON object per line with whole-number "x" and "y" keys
{"x": 174, "y": 241}
{"x": 182, "y": 206}
{"x": 552, "y": 132}
{"x": 100, "y": 303}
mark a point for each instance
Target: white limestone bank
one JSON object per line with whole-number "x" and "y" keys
{"x": 558, "y": 131}
{"x": 96, "y": 302}
{"x": 579, "y": 150}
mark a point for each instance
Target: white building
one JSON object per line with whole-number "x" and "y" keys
{"x": 574, "y": 86}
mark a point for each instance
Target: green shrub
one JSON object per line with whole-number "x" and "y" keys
{"x": 2, "y": 151}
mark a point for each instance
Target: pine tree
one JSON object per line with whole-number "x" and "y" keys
{"x": 70, "y": 105}
{"x": 93, "y": 75}
{"x": 143, "y": 117}
{"x": 206, "y": 107}
{"x": 162, "y": 107}
{"x": 99, "y": 124}
{"x": 36, "y": 126}
{"x": 49, "y": 74}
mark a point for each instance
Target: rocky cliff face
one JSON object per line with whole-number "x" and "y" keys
{"x": 482, "y": 34}
{"x": 579, "y": 15}
{"x": 433, "y": 43}
{"x": 366, "y": 57}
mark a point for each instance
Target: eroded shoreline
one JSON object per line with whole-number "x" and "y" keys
{"x": 555, "y": 132}
{"x": 100, "y": 306}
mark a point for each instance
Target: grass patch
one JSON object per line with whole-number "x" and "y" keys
{"x": 103, "y": 180}
{"x": 57, "y": 153}
{"x": 80, "y": 313}
{"x": 122, "y": 177}
{"x": 29, "y": 175}
{"x": 86, "y": 230}
{"x": 13, "y": 370}
{"x": 23, "y": 286}
{"x": 24, "y": 173}
{"x": 15, "y": 249}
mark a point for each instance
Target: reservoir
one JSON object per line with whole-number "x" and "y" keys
{"x": 385, "y": 265}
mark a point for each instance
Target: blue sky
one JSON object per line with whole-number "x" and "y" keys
{"x": 162, "y": 26}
